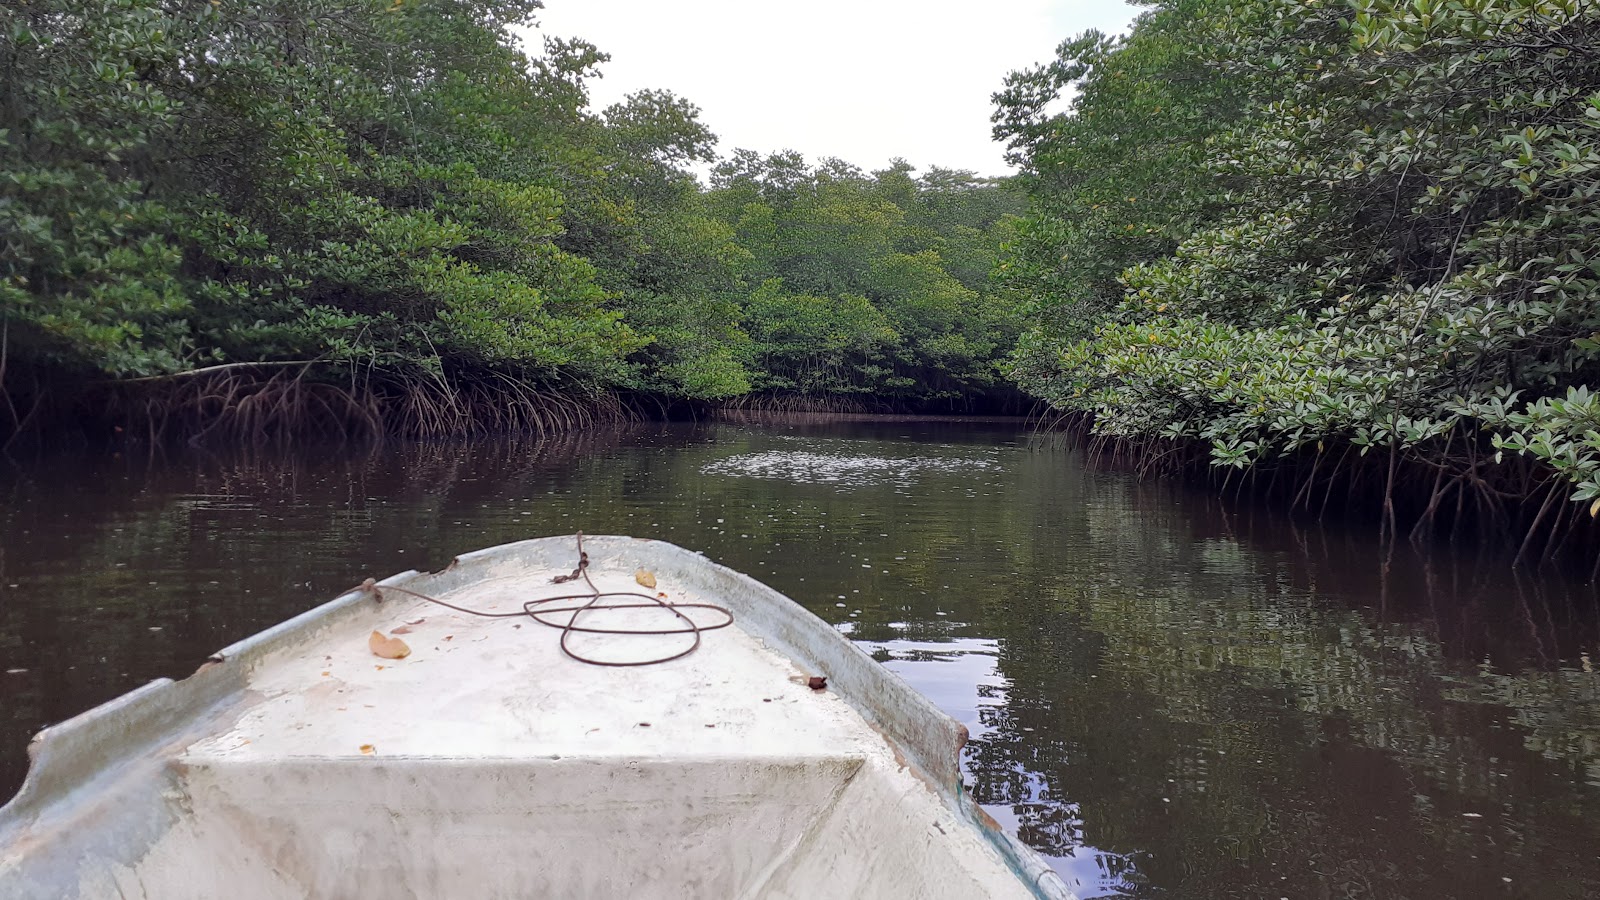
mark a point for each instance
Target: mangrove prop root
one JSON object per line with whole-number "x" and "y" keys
{"x": 253, "y": 405}
{"x": 1453, "y": 488}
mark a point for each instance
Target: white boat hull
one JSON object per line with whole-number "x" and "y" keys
{"x": 488, "y": 764}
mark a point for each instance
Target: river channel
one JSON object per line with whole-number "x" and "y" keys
{"x": 1169, "y": 695}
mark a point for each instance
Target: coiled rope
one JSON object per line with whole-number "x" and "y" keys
{"x": 591, "y": 606}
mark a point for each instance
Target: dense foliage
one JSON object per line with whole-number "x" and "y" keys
{"x": 392, "y": 192}
{"x": 869, "y": 285}
{"x": 1380, "y": 232}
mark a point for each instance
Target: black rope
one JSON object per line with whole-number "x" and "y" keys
{"x": 536, "y": 609}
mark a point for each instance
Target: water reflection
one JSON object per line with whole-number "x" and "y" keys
{"x": 962, "y": 676}
{"x": 1168, "y": 695}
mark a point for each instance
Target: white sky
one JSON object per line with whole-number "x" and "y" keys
{"x": 863, "y": 80}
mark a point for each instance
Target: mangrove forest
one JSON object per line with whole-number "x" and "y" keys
{"x": 1342, "y": 252}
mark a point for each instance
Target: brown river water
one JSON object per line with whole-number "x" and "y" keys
{"x": 1169, "y": 695}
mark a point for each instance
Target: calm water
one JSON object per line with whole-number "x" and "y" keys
{"x": 1168, "y": 696}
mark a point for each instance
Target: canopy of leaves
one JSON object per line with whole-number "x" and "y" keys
{"x": 870, "y": 284}
{"x": 362, "y": 182}
{"x": 395, "y": 190}
{"x": 1383, "y": 233}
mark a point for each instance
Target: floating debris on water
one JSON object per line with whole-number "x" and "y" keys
{"x": 844, "y": 470}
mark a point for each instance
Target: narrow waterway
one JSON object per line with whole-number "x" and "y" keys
{"x": 1168, "y": 695}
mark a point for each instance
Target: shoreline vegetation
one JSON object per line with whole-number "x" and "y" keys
{"x": 347, "y": 218}
{"x": 1344, "y": 255}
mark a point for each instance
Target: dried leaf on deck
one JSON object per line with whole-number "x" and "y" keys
{"x": 645, "y": 578}
{"x": 368, "y": 749}
{"x": 403, "y": 629}
{"x": 387, "y": 647}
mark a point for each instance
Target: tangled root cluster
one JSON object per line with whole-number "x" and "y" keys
{"x": 249, "y": 406}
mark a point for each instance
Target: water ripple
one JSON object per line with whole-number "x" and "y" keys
{"x": 806, "y": 467}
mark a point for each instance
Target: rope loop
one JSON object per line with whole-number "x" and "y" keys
{"x": 589, "y": 607}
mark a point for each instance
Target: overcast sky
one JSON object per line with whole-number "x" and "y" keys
{"x": 863, "y": 80}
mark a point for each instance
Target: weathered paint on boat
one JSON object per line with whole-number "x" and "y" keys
{"x": 486, "y": 764}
